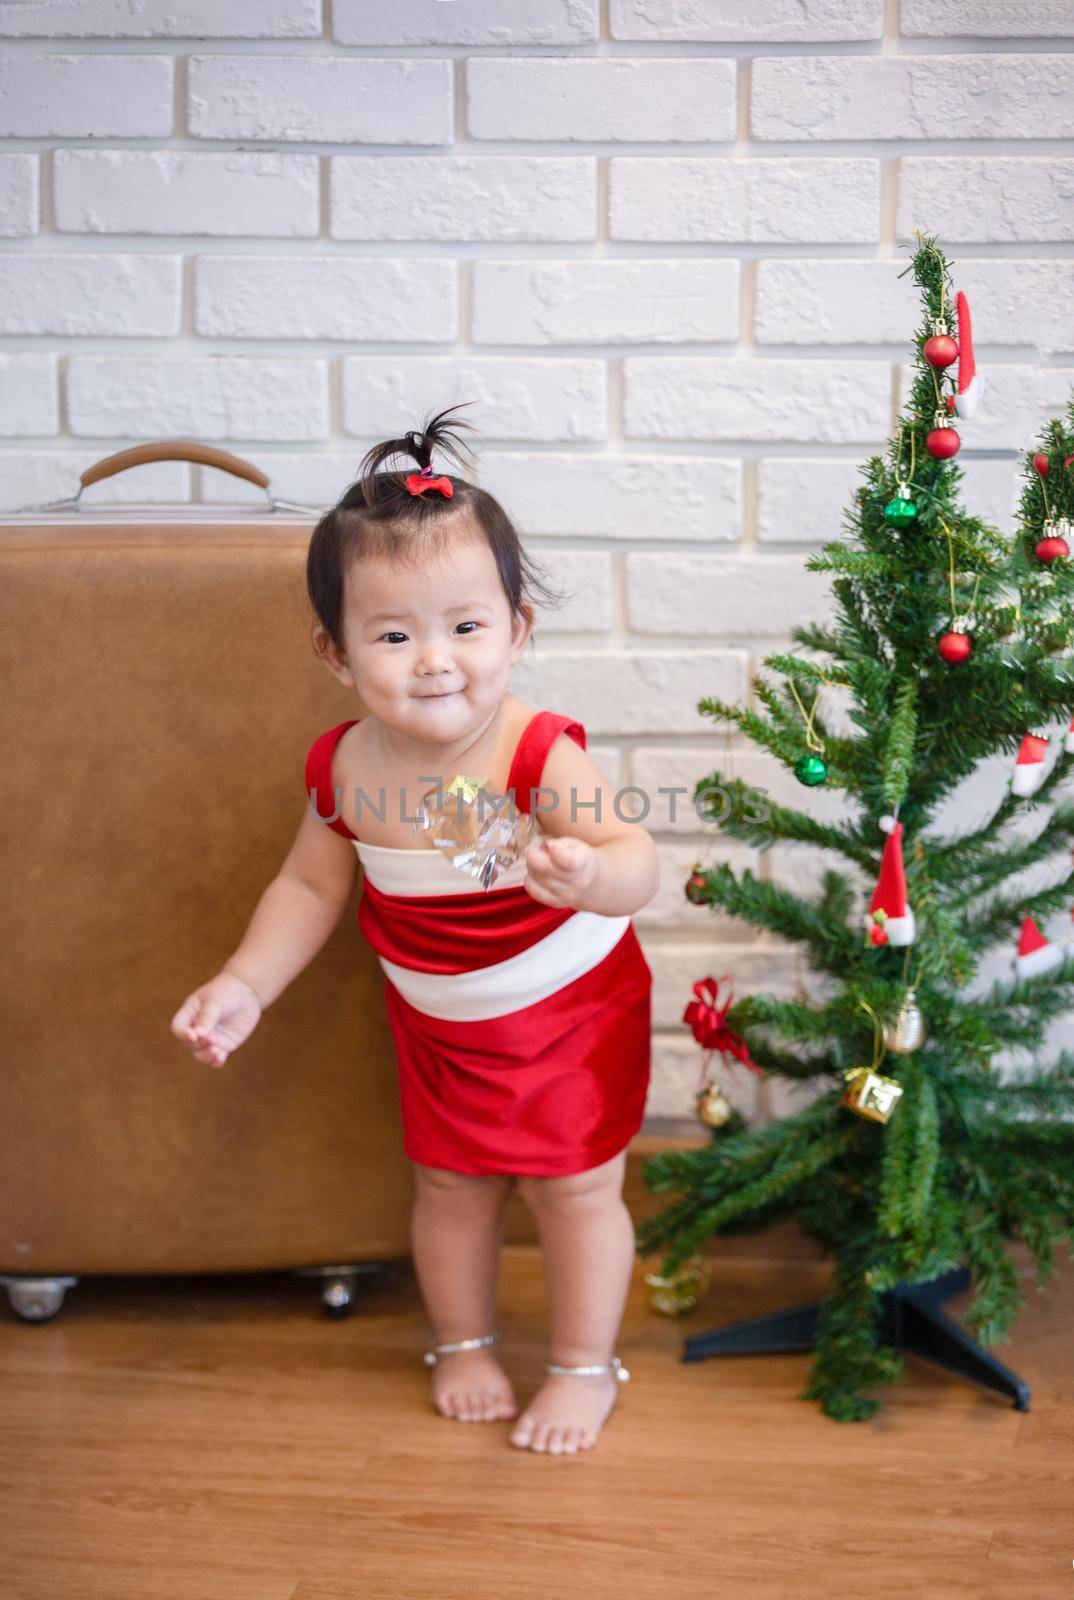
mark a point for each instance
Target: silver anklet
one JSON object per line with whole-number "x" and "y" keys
{"x": 614, "y": 1365}
{"x": 430, "y": 1356}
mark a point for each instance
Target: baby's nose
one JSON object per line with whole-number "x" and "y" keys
{"x": 435, "y": 659}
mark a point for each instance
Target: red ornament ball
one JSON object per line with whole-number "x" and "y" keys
{"x": 942, "y": 443}
{"x": 1069, "y": 460}
{"x": 955, "y": 647}
{"x": 1041, "y": 464}
{"x": 940, "y": 350}
{"x": 1052, "y": 548}
{"x": 696, "y": 887}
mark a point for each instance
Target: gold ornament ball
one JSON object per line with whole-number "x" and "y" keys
{"x": 713, "y": 1109}
{"x": 680, "y": 1291}
{"x": 907, "y": 1033}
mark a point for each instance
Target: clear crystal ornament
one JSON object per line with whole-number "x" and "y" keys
{"x": 479, "y": 830}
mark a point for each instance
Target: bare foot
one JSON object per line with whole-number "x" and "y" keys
{"x": 567, "y": 1413}
{"x": 471, "y": 1386}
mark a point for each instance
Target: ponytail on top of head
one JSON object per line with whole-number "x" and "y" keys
{"x": 378, "y": 516}
{"x": 384, "y": 493}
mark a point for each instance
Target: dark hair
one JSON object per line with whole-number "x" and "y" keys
{"x": 378, "y": 516}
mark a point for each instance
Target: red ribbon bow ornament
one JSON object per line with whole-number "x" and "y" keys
{"x": 419, "y": 482}
{"x": 708, "y": 1019}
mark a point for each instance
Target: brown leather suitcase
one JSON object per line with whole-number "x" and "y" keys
{"x": 160, "y": 694}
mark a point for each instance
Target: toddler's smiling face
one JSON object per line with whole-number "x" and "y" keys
{"x": 430, "y": 648}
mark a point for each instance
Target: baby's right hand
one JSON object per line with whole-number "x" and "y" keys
{"x": 217, "y": 1018}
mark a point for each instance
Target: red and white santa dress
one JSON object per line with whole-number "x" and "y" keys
{"x": 522, "y": 1031}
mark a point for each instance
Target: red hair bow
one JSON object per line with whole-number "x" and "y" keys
{"x": 418, "y": 482}
{"x": 709, "y": 1021}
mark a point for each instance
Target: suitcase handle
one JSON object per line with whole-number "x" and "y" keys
{"x": 203, "y": 455}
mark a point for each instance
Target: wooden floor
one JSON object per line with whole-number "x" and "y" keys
{"x": 222, "y": 1439}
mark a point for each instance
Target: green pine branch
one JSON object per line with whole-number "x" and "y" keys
{"x": 748, "y": 813}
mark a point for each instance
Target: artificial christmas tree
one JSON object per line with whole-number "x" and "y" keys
{"x": 923, "y": 1153}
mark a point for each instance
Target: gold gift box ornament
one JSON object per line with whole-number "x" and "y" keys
{"x": 479, "y": 830}
{"x": 870, "y": 1094}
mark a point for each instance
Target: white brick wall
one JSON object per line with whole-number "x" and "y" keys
{"x": 20, "y": 201}
{"x": 696, "y": 398}
{"x": 79, "y": 293}
{"x": 85, "y": 96}
{"x": 335, "y": 99}
{"x": 985, "y": 199}
{"x": 716, "y": 200}
{"x": 1023, "y": 302}
{"x": 325, "y": 297}
{"x": 29, "y": 395}
{"x": 466, "y": 198}
{"x": 762, "y": 21}
{"x": 173, "y": 191}
{"x": 600, "y": 302}
{"x": 622, "y": 99}
{"x": 145, "y": 397}
{"x": 657, "y": 242}
{"x": 913, "y": 97}
{"x": 510, "y": 398}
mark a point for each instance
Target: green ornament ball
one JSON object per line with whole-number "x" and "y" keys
{"x": 900, "y": 512}
{"x": 811, "y": 769}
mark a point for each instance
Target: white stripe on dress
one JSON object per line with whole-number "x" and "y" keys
{"x": 426, "y": 871}
{"x": 575, "y": 947}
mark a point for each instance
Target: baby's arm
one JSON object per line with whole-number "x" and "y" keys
{"x": 297, "y": 912}
{"x": 292, "y": 920}
{"x": 608, "y": 865}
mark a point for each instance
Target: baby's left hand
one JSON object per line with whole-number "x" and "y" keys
{"x": 561, "y": 871}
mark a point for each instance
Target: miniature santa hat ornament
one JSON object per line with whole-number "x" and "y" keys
{"x": 1035, "y": 954}
{"x": 1068, "y": 740}
{"x": 970, "y": 383}
{"x": 891, "y": 919}
{"x": 1028, "y": 774}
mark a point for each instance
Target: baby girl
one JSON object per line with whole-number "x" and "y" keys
{"x": 520, "y": 1011}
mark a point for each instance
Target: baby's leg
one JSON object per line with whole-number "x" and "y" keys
{"x": 456, "y": 1232}
{"x": 587, "y": 1244}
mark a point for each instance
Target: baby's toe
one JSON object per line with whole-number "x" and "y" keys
{"x": 479, "y": 1405}
{"x": 522, "y": 1435}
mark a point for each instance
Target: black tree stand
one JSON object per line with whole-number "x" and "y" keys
{"x": 910, "y": 1318}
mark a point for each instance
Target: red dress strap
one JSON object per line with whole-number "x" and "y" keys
{"x": 531, "y": 753}
{"x": 319, "y": 785}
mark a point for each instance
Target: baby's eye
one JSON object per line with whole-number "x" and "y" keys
{"x": 393, "y": 634}
{"x": 469, "y": 624}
